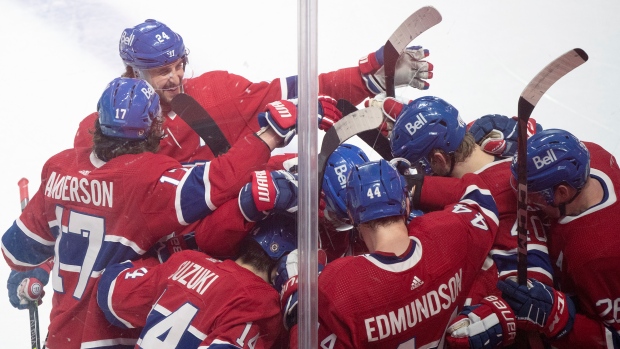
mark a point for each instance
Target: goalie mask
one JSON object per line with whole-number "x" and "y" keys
{"x": 127, "y": 108}
{"x": 338, "y": 166}
{"x": 150, "y": 45}
{"x": 375, "y": 190}
{"x": 427, "y": 123}
{"x": 277, "y": 235}
{"x": 553, "y": 157}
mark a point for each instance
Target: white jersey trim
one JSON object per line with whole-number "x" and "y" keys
{"x": 611, "y": 199}
{"x": 96, "y": 161}
{"x": 32, "y": 235}
{"x": 401, "y": 266}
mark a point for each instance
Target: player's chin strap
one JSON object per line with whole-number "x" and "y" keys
{"x": 452, "y": 163}
{"x": 562, "y": 206}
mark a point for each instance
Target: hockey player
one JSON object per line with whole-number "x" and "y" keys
{"x": 423, "y": 270}
{"x": 577, "y": 184}
{"x": 152, "y": 51}
{"x": 430, "y": 132}
{"x": 338, "y": 237}
{"x": 193, "y": 300}
{"x": 112, "y": 203}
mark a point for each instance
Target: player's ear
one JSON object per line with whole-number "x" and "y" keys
{"x": 563, "y": 193}
{"x": 439, "y": 161}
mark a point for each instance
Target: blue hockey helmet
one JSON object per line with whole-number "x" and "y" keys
{"x": 277, "y": 235}
{"x": 150, "y": 44}
{"x": 426, "y": 123}
{"x": 554, "y": 157}
{"x": 375, "y": 190}
{"x": 338, "y": 166}
{"x": 127, "y": 108}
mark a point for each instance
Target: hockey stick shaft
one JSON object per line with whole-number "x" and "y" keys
{"x": 33, "y": 308}
{"x": 527, "y": 101}
{"x": 347, "y": 127}
{"x": 186, "y": 107}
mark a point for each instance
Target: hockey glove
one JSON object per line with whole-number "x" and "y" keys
{"x": 391, "y": 108}
{"x": 286, "y": 282}
{"x": 490, "y": 324}
{"x": 410, "y": 70}
{"x": 497, "y": 134}
{"x": 539, "y": 307}
{"x": 281, "y": 116}
{"x": 268, "y": 191}
{"x": 27, "y": 286}
{"x": 328, "y": 112}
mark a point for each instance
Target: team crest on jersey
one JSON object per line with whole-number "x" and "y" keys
{"x": 416, "y": 283}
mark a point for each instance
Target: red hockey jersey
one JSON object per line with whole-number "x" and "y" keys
{"x": 502, "y": 262}
{"x": 88, "y": 214}
{"x": 234, "y": 103}
{"x": 585, "y": 250}
{"x": 191, "y": 300}
{"x": 383, "y": 301}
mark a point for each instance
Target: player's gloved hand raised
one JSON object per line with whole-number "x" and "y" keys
{"x": 281, "y": 116}
{"x": 539, "y": 307}
{"x": 267, "y": 192}
{"x": 488, "y": 325}
{"x": 286, "y": 283}
{"x": 27, "y": 286}
{"x": 411, "y": 70}
{"x": 497, "y": 134}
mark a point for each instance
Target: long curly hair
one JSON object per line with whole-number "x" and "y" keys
{"x": 107, "y": 148}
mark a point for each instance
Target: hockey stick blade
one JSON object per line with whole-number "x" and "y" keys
{"x": 419, "y": 22}
{"x": 201, "y": 122}
{"x": 530, "y": 96}
{"x": 374, "y": 138}
{"x": 347, "y": 127}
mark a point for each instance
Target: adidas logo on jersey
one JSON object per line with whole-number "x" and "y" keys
{"x": 416, "y": 283}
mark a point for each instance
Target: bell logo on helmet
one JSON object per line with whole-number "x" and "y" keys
{"x": 148, "y": 91}
{"x": 540, "y": 162}
{"x": 340, "y": 171}
{"x": 460, "y": 121}
{"x": 418, "y": 124}
{"x": 127, "y": 40}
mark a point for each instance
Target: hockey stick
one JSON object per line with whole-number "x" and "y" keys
{"x": 370, "y": 137}
{"x": 33, "y": 307}
{"x": 347, "y": 127}
{"x": 416, "y": 24}
{"x": 419, "y": 22}
{"x": 201, "y": 122}
{"x": 527, "y": 101}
